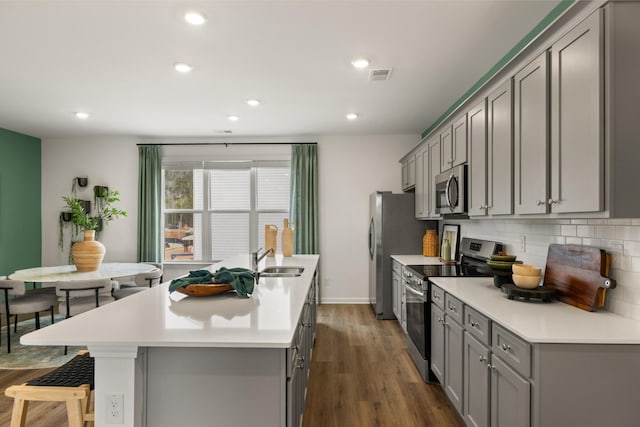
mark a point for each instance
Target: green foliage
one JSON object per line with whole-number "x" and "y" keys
{"x": 105, "y": 211}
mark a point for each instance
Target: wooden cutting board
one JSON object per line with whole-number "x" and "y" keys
{"x": 578, "y": 274}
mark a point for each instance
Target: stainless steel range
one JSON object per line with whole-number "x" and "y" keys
{"x": 474, "y": 255}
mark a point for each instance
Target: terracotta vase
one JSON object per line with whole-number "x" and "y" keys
{"x": 287, "y": 239}
{"x": 88, "y": 253}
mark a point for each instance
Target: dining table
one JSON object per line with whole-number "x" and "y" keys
{"x": 67, "y": 273}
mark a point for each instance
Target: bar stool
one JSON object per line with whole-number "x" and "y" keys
{"x": 71, "y": 383}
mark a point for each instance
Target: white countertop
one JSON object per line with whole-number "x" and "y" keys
{"x": 539, "y": 322}
{"x": 416, "y": 259}
{"x": 153, "y": 318}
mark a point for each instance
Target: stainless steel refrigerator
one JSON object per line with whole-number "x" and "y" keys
{"x": 393, "y": 230}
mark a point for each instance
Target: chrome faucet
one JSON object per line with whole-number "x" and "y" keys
{"x": 256, "y": 257}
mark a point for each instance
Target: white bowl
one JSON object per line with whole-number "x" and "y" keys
{"x": 526, "y": 282}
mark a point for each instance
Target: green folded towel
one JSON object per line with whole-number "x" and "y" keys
{"x": 241, "y": 279}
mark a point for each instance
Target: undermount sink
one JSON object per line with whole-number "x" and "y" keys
{"x": 281, "y": 271}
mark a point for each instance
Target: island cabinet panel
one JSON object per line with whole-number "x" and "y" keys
{"x": 500, "y": 150}
{"x": 510, "y": 396}
{"x": 531, "y": 141}
{"x": 478, "y": 159}
{"x": 215, "y": 386}
{"x": 577, "y": 127}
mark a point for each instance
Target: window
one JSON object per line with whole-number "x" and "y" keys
{"x": 215, "y": 210}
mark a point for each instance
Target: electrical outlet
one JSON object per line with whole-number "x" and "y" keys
{"x": 523, "y": 243}
{"x": 115, "y": 408}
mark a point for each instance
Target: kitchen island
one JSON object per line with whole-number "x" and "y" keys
{"x": 219, "y": 360}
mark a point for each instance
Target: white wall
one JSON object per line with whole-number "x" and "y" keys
{"x": 350, "y": 168}
{"x": 112, "y": 162}
{"x": 619, "y": 237}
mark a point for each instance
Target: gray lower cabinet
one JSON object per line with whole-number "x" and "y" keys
{"x": 437, "y": 342}
{"x": 510, "y": 396}
{"x": 396, "y": 284}
{"x": 477, "y": 377}
{"x": 453, "y": 358}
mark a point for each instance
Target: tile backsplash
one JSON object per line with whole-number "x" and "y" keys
{"x": 530, "y": 239}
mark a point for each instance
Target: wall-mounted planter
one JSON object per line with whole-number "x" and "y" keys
{"x": 100, "y": 192}
{"x": 82, "y": 181}
{"x": 65, "y": 216}
{"x": 86, "y": 205}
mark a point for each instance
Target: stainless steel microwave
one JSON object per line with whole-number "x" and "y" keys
{"x": 451, "y": 191}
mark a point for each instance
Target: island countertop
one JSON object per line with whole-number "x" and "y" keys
{"x": 539, "y": 322}
{"x": 155, "y": 318}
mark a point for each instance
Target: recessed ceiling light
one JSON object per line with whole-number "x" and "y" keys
{"x": 195, "y": 18}
{"x": 181, "y": 67}
{"x": 253, "y": 102}
{"x": 360, "y": 63}
{"x": 233, "y": 118}
{"x": 82, "y": 115}
{"x": 351, "y": 116}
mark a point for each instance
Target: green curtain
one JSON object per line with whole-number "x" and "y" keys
{"x": 149, "y": 208}
{"x": 304, "y": 198}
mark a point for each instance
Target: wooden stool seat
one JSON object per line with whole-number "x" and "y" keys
{"x": 71, "y": 383}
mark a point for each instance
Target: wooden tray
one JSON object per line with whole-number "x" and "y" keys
{"x": 204, "y": 289}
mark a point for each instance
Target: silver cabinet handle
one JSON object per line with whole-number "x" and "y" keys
{"x": 540, "y": 203}
{"x": 552, "y": 202}
{"x": 436, "y": 296}
{"x": 484, "y": 207}
{"x": 490, "y": 366}
{"x": 506, "y": 347}
{"x": 474, "y": 324}
{"x": 483, "y": 359}
{"x": 453, "y": 308}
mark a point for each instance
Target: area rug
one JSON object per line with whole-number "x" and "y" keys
{"x": 32, "y": 356}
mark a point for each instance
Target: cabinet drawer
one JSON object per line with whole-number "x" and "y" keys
{"x": 437, "y": 296}
{"x": 512, "y": 349}
{"x": 396, "y": 267}
{"x": 453, "y": 308}
{"x": 477, "y": 324}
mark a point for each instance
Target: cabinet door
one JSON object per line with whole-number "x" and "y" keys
{"x": 446, "y": 148}
{"x": 453, "y": 358}
{"x": 422, "y": 172}
{"x": 405, "y": 176}
{"x": 434, "y": 169}
{"x": 403, "y": 307}
{"x": 531, "y": 126}
{"x": 477, "y": 167}
{"x": 395, "y": 296}
{"x": 577, "y": 141}
{"x": 459, "y": 145}
{"x": 411, "y": 172}
{"x": 510, "y": 396}
{"x": 476, "y": 382}
{"x": 437, "y": 342}
{"x": 500, "y": 151}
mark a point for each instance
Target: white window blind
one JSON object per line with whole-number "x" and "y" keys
{"x": 273, "y": 188}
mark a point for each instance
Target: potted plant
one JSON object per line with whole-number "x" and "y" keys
{"x": 87, "y": 254}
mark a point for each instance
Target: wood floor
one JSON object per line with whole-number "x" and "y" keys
{"x": 361, "y": 375}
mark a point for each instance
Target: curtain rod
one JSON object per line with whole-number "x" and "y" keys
{"x": 226, "y": 144}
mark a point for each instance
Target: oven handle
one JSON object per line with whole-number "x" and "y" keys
{"x": 413, "y": 291}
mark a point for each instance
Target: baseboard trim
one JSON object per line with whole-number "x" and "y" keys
{"x": 344, "y": 300}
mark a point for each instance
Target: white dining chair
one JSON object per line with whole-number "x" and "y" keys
{"x": 17, "y": 300}
{"x": 78, "y": 296}
{"x": 142, "y": 281}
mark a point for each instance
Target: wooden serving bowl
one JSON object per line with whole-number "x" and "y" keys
{"x": 204, "y": 289}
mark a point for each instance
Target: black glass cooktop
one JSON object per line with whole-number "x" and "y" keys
{"x": 455, "y": 270}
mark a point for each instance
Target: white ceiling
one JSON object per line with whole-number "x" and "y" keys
{"x": 114, "y": 59}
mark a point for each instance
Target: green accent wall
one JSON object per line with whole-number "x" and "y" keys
{"x": 546, "y": 21}
{"x": 20, "y": 213}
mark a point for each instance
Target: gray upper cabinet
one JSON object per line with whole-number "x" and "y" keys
{"x": 478, "y": 160}
{"x": 500, "y": 150}
{"x": 422, "y": 182}
{"x": 434, "y": 169}
{"x": 446, "y": 148}
{"x": 531, "y": 142}
{"x": 459, "y": 145}
{"x": 408, "y": 172}
{"x": 577, "y": 166}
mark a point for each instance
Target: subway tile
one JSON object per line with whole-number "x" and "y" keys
{"x": 579, "y": 221}
{"x": 568, "y": 230}
{"x": 634, "y": 311}
{"x": 632, "y": 248}
{"x": 573, "y": 241}
{"x": 627, "y": 232}
{"x": 619, "y": 221}
{"x": 591, "y": 242}
{"x": 635, "y": 221}
{"x": 634, "y": 263}
{"x": 585, "y": 230}
{"x": 619, "y": 306}
{"x": 605, "y": 232}
{"x": 597, "y": 221}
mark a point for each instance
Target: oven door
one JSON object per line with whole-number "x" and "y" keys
{"x": 416, "y": 318}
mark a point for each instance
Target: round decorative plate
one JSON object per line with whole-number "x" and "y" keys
{"x": 507, "y": 258}
{"x": 502, "y": 265}
{"x": 204, "y": 289}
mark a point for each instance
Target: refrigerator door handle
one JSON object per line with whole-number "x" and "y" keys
{"x": 371, "y": 238}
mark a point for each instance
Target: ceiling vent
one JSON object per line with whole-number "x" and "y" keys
{"x": 380, "y": 74}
